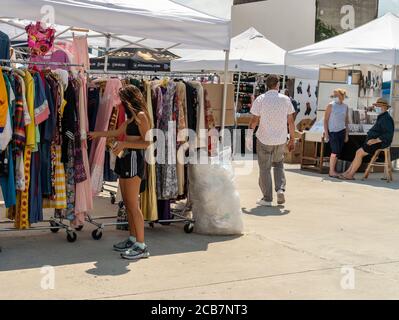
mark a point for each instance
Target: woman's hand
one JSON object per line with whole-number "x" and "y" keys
{"x": 326, "y": 136}
{"x": 346, "y": 138}
{"x": 94, "y": 135}
{"x": 118, "y": 148}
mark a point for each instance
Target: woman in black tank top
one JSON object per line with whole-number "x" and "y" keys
{"x": 130, "y": 166}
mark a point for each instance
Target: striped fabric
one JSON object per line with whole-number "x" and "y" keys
{"x": 60, "y": 201}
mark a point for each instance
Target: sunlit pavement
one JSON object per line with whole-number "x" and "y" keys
{"x": 333, "y": 240}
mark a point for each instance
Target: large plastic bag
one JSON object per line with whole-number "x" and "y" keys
{"x": 215, "y": 200}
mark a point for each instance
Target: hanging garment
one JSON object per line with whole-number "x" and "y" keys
{"x": 148, "y": 199}
{"x": 19, "y": 136}
{"x": 109, "y": 99}
{"x": 201, "y": 127}
{"x": 84, "y": 196}
{"x": 181, "y": 126}
{"x": 4, "y": 46}
{"x": 21, "y": 82}
{"x": 40, "y": 39}
{"x": 81, "y": 52}
{"x": 192, "y": 107}
{"x": 35, "y": 190}
{"x": 47, "y": 135}
{"x": 58, "y": 57}
{"x": 59, "y": 200}
{"x": 167, "y": 187}
{"x": 42, "y": 110}
{"x": 70, "y": 185}
{"x": 164, "y": 210}
{"x": 3, "y": 102}
{"x": 30, "y": 100}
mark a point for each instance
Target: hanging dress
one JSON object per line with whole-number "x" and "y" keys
{"x": 109, "y": 99}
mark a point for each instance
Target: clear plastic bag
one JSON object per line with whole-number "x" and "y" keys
{"x": 216, "y": 202}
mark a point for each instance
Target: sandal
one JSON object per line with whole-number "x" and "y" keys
{"x": 342, "y": 177}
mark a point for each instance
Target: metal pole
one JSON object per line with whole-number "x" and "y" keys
{"x": 238, "y": 93}
{"x": 285, "y": 74}
{"x": 393, "y": 77}
{"x": 226, "y": 80}
{"x": 107, "y": 47}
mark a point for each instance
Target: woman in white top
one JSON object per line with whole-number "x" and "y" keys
{"x": 336, "y": 131}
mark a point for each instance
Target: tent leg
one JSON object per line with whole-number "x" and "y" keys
{"x": 284, "y": 76}
{"x": 107, "y": 48}
{"x": 224, "y": 107}
{"x": 393, "y": 77}
{"x": 238, "y": 94}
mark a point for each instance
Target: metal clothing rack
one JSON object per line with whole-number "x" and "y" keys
{"x": 178, "y": 215}
{"x": 55, "y": 224}
{"x": 44, "y": 63}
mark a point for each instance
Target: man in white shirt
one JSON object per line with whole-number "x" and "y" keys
{"x": 272, "y": 112}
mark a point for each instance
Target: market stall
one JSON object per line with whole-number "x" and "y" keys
{"x": 251, "y": 52}
{"x": 355, "y": 61}
{"x": 134, "y": 25}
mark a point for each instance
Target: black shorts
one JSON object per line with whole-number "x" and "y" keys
{"x": 372, "y": 149}
{"x": 131, "y": 165}
{"x": 337, "y": 141}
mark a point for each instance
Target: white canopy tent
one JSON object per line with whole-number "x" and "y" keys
{"x": 249, "y": 52}
{"x": 376, "y": 42}
{"x": 123, "y": 23}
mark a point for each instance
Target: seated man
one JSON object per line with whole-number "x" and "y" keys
{"x": 380, "y": 136}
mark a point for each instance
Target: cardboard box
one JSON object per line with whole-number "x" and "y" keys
{"x": 214, "y": 94}
{"x": 333, "y": 75}
{"x": 230, "y": 117}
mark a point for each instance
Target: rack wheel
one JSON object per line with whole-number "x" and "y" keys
{"x": 55, "y": 227}
{"x": 80, "y": 228}
{"x": 72, "y": 237}
{"x": 113, "y": 199}
{"x": 152, "y": 225}
{"x": 189, "y": 228}
{"x": 97, "y": 234}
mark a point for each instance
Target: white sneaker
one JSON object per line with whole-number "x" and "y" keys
{"x": 280, "y": 197}
{"x": 264, "y": 203}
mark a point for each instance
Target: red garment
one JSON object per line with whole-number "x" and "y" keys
{"x": 121, "y": 121}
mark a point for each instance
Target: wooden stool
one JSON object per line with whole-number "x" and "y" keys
{"x": 388, "y": 169}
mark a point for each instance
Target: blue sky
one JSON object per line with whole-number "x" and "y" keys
{"x": 221, "y": 8}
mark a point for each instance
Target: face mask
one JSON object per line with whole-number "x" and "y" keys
{"x": 336, "y": 100}
{"x": 378, "y": 110}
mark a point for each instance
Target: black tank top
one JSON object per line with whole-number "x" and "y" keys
{"x": 133, "y": 129}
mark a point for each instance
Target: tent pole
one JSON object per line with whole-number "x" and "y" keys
{"x": 107, "y": 47}
{"x": 393, "y": 76}
{"x": 284, "y": 76}
{"x": 238, "y": 94}
{"x": 226, "y": 80}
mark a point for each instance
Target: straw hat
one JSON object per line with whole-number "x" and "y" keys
{"x": 382, "y": 103}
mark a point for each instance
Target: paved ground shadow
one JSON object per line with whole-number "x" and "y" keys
{"x": 267, "y": 211}
{"x": 34, "y": 250}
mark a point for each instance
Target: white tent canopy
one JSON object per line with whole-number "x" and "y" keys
{"x": 376, "y": 42}
{"x": 163, "y": 20}
{"x": 250, "y": 52}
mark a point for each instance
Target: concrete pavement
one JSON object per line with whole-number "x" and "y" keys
{"x": 303, "y": 251}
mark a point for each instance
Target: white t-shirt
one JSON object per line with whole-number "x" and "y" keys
{"x": 273, "y": 109}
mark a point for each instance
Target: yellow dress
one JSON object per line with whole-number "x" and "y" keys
{"x": 149, "y": 201}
